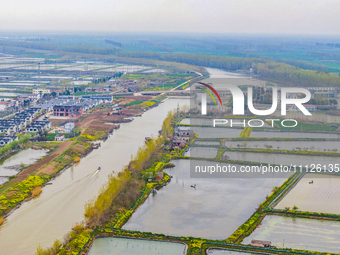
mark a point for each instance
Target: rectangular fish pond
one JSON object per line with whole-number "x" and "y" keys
{"x": 298, "y": 233}
{"x": 213, "y": 251}
{"x": 129, "y": 246}
{"x": 323, "y": 196}
{"x": 201, "y": 152}
{"x": 269, "y": 133}
{"x": 284, "y": 159}
{"x": 284, "y": 145}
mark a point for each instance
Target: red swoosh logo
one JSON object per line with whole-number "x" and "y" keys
{"x": 213, "y": 90}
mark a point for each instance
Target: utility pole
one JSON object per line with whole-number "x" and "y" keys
{"x": 177, "y": 120}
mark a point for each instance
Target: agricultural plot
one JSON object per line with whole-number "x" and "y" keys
{"x": 267, "y": 134}
{"x": 201, "y": 152}
{"x": 214, "y": 209}
{"x": 323, "y": 196}
{"x": 210, "y": 132}
{"x": 284, "y": 159}
{"x": 125, "y": 68}
{"x": 128, "y": 246}
{"x": 207, "y": 143}
{"x": 298, "y": 233}
{"x": 228, "y": 252}
{"x": 286, "y": 145}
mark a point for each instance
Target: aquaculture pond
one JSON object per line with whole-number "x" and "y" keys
{"x": 207, "y": 143}
{"x": 284, "y": 159}
{"x": 128, "y": 246}
{"x": 297, "y": 233}
{"x": 214, "y": 209}
{"x": 268, "y": 133}
{"x": 11, "y": 166}
{"x": 286, "y": 145}
{"x": 321, "y": 196}
{"x": 228, "y": 252}
{"x": 210, "y": 132}
{"x": 201, "y": 152}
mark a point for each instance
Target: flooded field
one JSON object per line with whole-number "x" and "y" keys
{"x": 201, "y": 152}
{"x": 268, "y": 134}
{"x": 214, "y": 209}
{"x": 286, "y": 145}
{"x": 321, "y": 196}
{"x": 272, "y": 158}
{"x": 227, "y": 252}
{"x": 11, "y": 165}
{"x": 210, "y": 132}
{"x": 207, "y": 143}
{"x": 128, "y": 246}
{"x": 305, "y": 234}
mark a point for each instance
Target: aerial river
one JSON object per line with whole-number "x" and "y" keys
{"x": 61, "y": 205}
{"x": 51, "y": 215}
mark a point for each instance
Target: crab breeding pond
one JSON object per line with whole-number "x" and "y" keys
{"x": 284, "y": 159}
{"x": 129, "y": 246}
{"x": 323, "y": 196}
{"x": 228, "y": 252}
{"x": 214, "y": 209}
{"x": 298, "y": 233}
{"x": 210, "y": 132}
{"x": 269, "y": 133}
{"x": 201, "y": 152}
{"x": 283, "y": 145}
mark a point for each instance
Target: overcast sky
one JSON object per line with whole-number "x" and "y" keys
{"x": 221, "y": 16}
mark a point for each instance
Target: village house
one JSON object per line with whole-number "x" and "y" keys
{"x": 309, "y": 107}
{"x": 73, "y": 111}
{"x": 159, "y": 176}
{"x": 59, "y": 138}
{"x": 7, "y": 139}
{"x": 177, "y": 142}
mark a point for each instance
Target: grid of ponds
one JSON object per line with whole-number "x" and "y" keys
{"x": 214, "y": 209}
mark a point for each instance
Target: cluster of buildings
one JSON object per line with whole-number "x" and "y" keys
{"x": 182, "y": 136}
{"x": 98, "y": 89}
{"x": 23, "y": 121}
{"x": 75, "y": 108}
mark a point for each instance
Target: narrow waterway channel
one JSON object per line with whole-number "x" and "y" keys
{"x": 52, "y": 214}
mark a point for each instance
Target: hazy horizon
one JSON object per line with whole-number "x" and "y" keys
{"x": 269, "y": 17}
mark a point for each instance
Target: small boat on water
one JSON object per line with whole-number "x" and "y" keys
{"x": 193, "y": 186}
{"x": 98, "y": 168}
